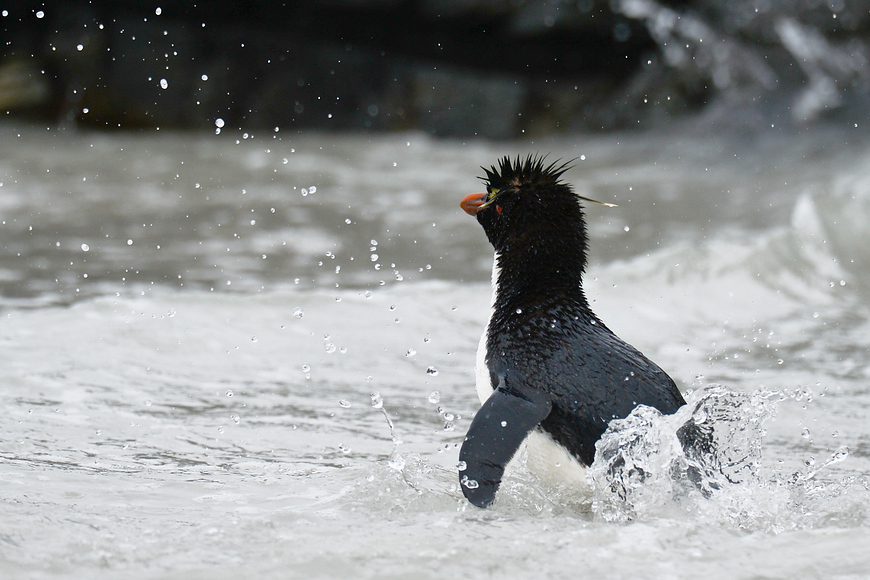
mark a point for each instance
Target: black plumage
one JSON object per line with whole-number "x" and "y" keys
{"x": 552, "y": 363}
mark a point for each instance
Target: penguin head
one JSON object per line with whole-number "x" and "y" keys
{"x": 527, "y": 204}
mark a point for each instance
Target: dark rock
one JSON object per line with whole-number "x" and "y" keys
{"x": 494, "y": 68}
{"x": 448, "y": 101}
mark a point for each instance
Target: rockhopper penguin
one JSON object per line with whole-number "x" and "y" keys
{"x": 547, "y": 367}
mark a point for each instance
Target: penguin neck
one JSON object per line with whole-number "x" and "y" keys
{"x": 530, "y": 274}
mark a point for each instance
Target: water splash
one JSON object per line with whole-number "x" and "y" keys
{"x": 378, "y": 403}
{"x": 706, "y": 461}
{"x": 413, "y": 470}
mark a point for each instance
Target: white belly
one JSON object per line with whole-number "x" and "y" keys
{"x": 553, "y": 465}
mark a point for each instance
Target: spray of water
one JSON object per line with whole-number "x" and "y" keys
{"x": 707, "y": 460}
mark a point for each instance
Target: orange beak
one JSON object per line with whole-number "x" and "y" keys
{"x": 472, "y": 203}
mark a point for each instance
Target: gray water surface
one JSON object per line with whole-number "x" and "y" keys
{"x": 254, "y": 356}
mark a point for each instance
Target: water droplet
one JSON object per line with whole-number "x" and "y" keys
{"x": 235, "y": 418}
{"x": 298, "y": 313}
{"x": 434, "y": 397}
{"x": 158, "y": 11}
{"x": 519, "y": 310}
{"x": 397, "y": 463}
{"x": 504, "y": 423}
{"x": 306, "y": 368}
{"x": 805, "y": 433}
{"x": 461, "y": 466}
{"x": 220, "y": 429}
{"x": 627, "y": 229}
{"x": 312, "y": 190}
{"x": 410, "y": 352}
{"x": 432, "y": 371}
{"x": 85, "y": 247}
{"x": 330, "y": 348}
{"x": 253, "y": 339}
{"x": 374, "y": 257}
{"x": 367, "y": 294}
{"x": 80, "y": 47}
{"x": 40, "y": 14}
{"x": 377, "y": 400}
{"x": 779, "y": 362}
{"x": 449, "y": 426}
{"x": 219, "y": 123}
{"x": 229, "y": 393}
{"x": 839, "y": 455}
{"x": 469, "y": 483}
{"x": 343, "y": 404}
{"x": 164, "y": 84}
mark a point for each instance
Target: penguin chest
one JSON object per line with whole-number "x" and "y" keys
{"x": 482, "y": 381}
{"x": 550, "y": 461}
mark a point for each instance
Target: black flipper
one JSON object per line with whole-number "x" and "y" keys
{"x": 496, "y": 433}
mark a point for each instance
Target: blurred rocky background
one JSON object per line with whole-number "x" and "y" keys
{"x": 494, "y": 68}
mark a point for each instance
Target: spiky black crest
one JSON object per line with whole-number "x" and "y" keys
{"x": 519, "y": 172}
